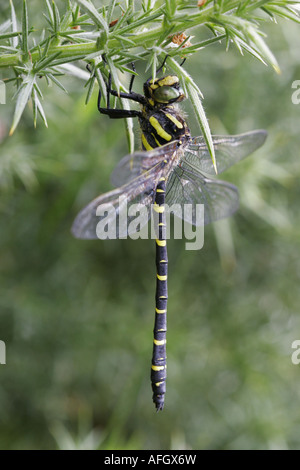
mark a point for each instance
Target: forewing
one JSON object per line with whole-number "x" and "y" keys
{"x": 112, "y": 208}
{"x": 133, "y": 165}
{"x": 220, "y": 199}
{"x": 228, "y": 149}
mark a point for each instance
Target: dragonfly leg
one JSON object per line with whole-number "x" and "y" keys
{"x": 119, "y": 113}
{"x": 163, "y": 64}
{"x": 132, "y": 78}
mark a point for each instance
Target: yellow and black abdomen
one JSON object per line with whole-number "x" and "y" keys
{"x": 161, "y": 126}
{"x": 159, "y": 356}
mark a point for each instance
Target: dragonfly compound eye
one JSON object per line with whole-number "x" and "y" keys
{"x": 166, "y": 94}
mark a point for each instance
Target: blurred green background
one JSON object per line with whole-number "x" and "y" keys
{"x": 77, "y": 316}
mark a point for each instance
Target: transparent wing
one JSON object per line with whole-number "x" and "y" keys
{"x": 112, "y": 214}
{"x": 229, "y": 150}
{"x": 133, "y": 165}
{"x": 188, "y": 186}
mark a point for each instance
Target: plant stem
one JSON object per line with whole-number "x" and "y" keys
{"x": 78, "y": 51}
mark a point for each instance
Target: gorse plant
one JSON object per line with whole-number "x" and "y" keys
{"x": 127, "y": 31}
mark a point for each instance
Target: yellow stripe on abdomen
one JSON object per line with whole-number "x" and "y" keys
{"x": 156, "y": 141}
{"x": 174, "y": 120}
{"x": 161, "y": 242}
{"x": 158, "y": 209}
{"x": 159, "y": 129}
{"x": 160, "y": 311}
{"x": 157, "y": 368}
{"x": 146, "y": 143}
{"x": 159, "y": 342}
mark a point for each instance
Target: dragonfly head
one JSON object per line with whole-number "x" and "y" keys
{"x": 163, "y": 91}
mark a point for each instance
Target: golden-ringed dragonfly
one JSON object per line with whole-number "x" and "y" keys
{"x": 172, "y": 168}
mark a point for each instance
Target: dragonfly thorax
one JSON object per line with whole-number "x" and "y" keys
{"x": 162, "y": 126}
{"x": 161, "y": 121}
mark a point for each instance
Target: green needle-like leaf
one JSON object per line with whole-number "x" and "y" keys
{"x": 128, "y": 126}
{"x": 38, "y": 108}
{"x": 202, "y": 120}
{"x": 25, "y": 30}
{"x": 114, "y": 73}
{"x": 263, "y": 48}
{"x": 194, "y": 94}
{"x": 14, "y": 25}
{"x": 101, "y": 82}
{"x": 24, "y": 94}
{"x": 56, "y": 17}
{"x": 50, "y": 13}
{"x": 90, "y": 88}
{"x": 57, "y": 82}
{"x": 111, "y": 10}
{"x": 97, "y": 18}
{"x": 42, "y": 64}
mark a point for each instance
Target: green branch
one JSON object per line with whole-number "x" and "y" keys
{"x": 126, "y": 31}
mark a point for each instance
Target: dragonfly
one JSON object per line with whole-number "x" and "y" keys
{"x": 173, "y": 168}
